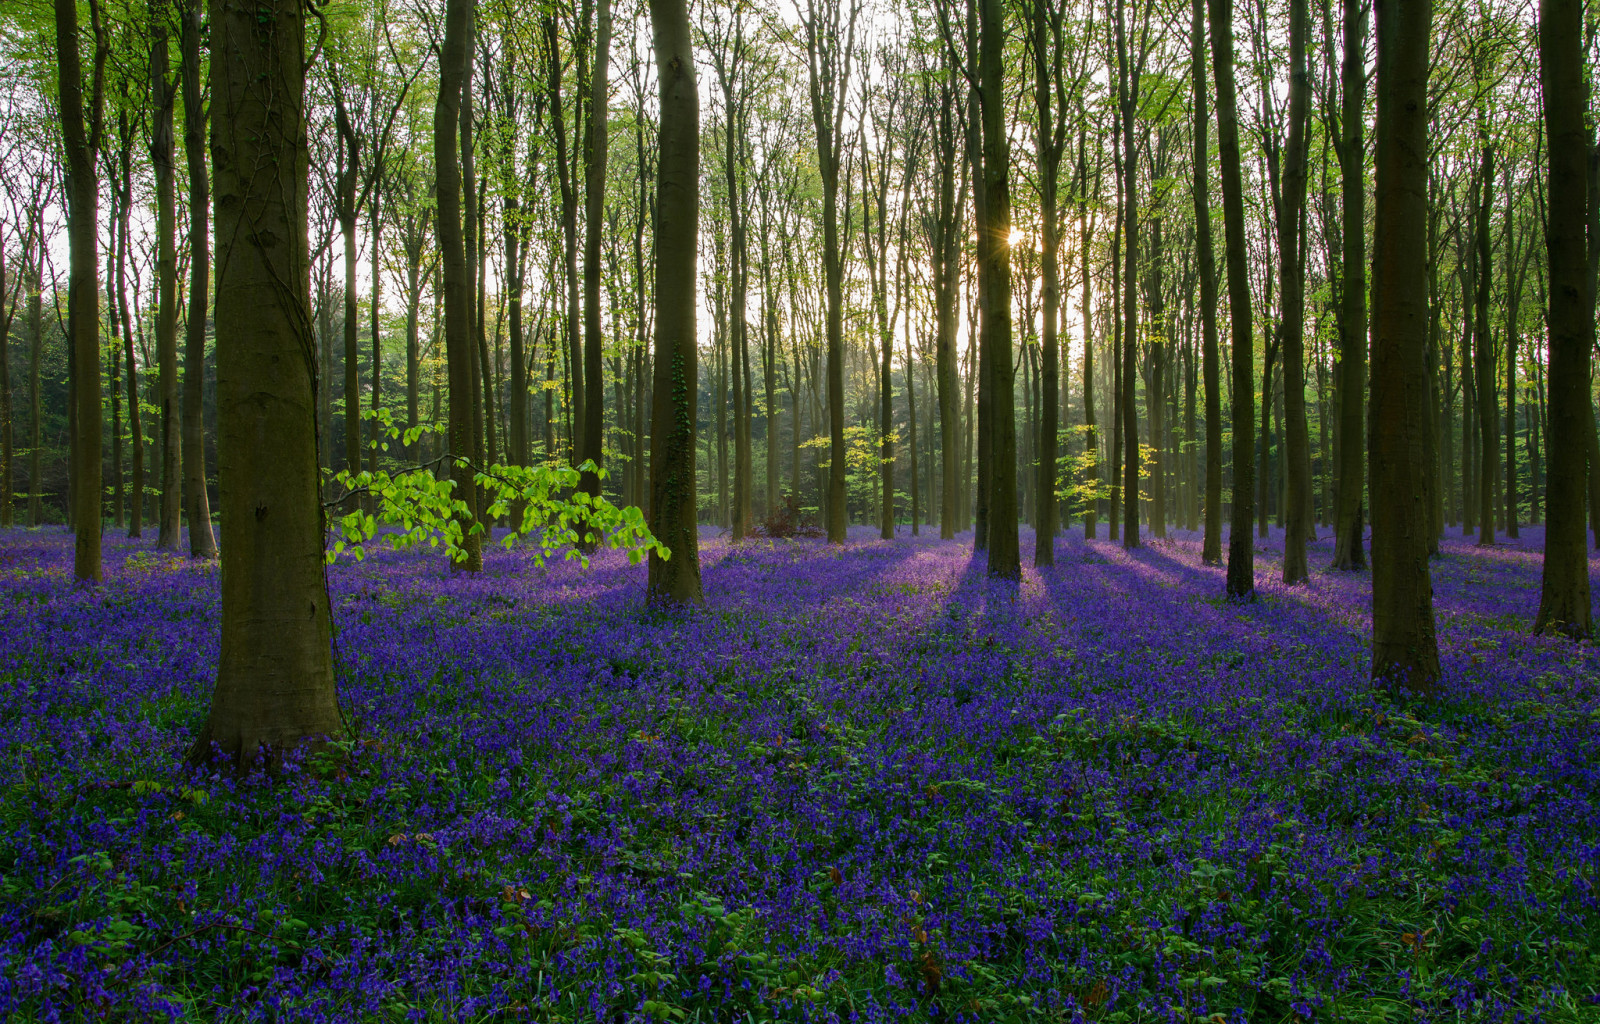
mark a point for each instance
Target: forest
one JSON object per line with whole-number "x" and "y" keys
{"x": 799, "y": 510}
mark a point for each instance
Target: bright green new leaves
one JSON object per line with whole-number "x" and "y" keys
{"x": 547, "y": 510}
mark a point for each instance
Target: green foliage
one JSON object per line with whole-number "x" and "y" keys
{"x": 548, "y": 510}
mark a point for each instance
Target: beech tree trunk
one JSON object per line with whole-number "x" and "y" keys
{"x": 80, "y": 130}
{"x": 594, "y": 407}
{"x": 1211, "y": 544}
{"x": 1004, "y": 553}
{"x": 1297, "y": 441}
{"x": 197, "y": 503}
{"x": 1349, "y": 549}
{"x": 1241, "y": 584}
{"x": 453, "y": 61}
{"x": 163, "y": 161}
{"x": 1405, "y": 652}
{"x": 675, "y": 579}
{"x": 1564, "y": 598}
{"x": 275, "y": 687}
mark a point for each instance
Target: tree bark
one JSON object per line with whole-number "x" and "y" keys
{"x": 1128, "y": 99}
{"x": 595, "y": 144}
{"x": 1297, "y": 453}
{"x": 1404, "y": 649}
{"x": 1211, "y": 544}
{"x": 453, "y": 61}
{"x": 275, "y": 687}
{"x": 1241, "y": 584}
{"x": 1564, "y": 598}
{"x": 1004, "y": 553}
{"x": 197, "y": 503}
{"x": 81, "y": 130}
{"x": 675, "y": 579}
{"x": 1349, "y": 552}
{"x": 163, "y": 161}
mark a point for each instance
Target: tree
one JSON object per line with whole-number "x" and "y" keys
{"x": 1291, "y": 278}
{"x": 593, "y": 447}
{"x": 830, "y": 38}
{"x": 453, "y": 61}
{"x": 1241, "y": 547}
{"x": 81, "y": 129}
{"x": 1211, "y": 545}
{"x": 675, "y": 580}
{"x": 1404, "y": 649}
{"x": 1349, "y": 146}
{"x": 163, "y": 159}
{"x": 1564, "y": 599}
{"x": 1004, "y": 556}
{"x": 275, "y": 688}
{"x": 202, "y": 543}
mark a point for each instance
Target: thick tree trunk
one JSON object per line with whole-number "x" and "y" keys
{"x": 453, "y": 61}
{"x": 1004, "y": 553}
{"x": 1404, "y": 649}
{"x": 275, "y": 687}
{"x": 81, "y": 142}
{"x": 1564, "y": 598}
{"x": 197, "y": 503}
{"x": 1241, "y": 584}
{"x": 675, "y": 579}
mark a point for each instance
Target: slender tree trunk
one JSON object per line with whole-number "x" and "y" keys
{"x": 675, "y": 579}
{"x": 569, "y": 226}
{"x": 1482, "y": 345}
{"x": 1049, "y": 144}
{"x": 275, "y": 687}
{"x": 1128, "y": 100}
{"x": 1404, "y": 650}
{"x": 594, "y": 410}
{"x": 163, "y": 160}
{"x": 1241, "y": 546}
{"x": 197, "y": 503}
{"x": 1348, "y": 549}
{"x": 1211, "y": 545}
{"x": 1564, "y": 598}
{"x": 135, "y": 416}
{"x": 35, "y": 405}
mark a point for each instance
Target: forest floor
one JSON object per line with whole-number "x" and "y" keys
{"x": 863, "y": 784}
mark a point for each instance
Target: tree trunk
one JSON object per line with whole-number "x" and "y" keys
{"x": 1482, "y": 345}
{"x": 1128, "y": 100}
{"x": 594, "y": 408}
{"x": 135, "y": 416}
{"x": 1241, "y": 584}
{"x": 453, "y": 62}
{"x": 1047, "y": 47}
{"x": 569, "y": 226}
{"x": 1297, "y": 441}
{"x": 1211, "y": 544}
{"x": 81, "y": 142}
{"x": 197, "y": 503}
{"x": 1348, "y": 549}
{"x": 1564, "y": 599}
{"x": 163, "y": 159}
{"x": 1404, "y": 650}
{"x": 675, "y": 579}
{"x": 275, "y": 687}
